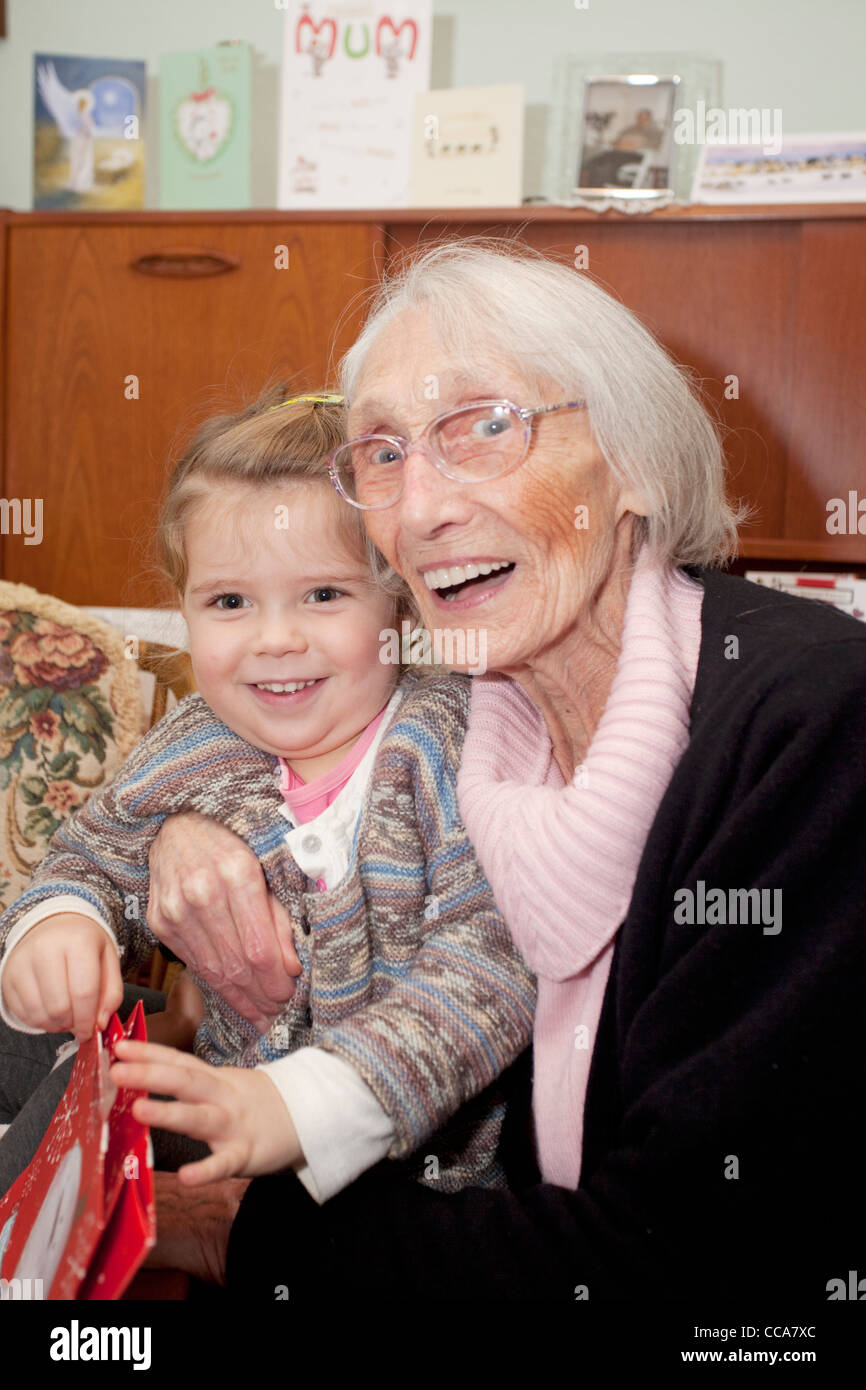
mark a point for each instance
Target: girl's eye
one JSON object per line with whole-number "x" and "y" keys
{"x": 325, "y": 594}
{"x": 231, "y": 608}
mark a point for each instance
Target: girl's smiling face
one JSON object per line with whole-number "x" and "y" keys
{"x": 269, "y": 604}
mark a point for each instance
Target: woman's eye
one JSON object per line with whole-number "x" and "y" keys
{"x": 325, "y": 594}
{"x": 491, "y": 427}
{"x": 236, "y": 601}
{"x": 387, "y": 454}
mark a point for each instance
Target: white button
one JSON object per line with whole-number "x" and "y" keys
{"x": 311, "y": 843}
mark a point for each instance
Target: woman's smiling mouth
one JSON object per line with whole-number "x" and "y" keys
{"x": 467, "y": 583}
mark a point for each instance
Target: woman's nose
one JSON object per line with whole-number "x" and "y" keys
{"x": 429, "y": 499}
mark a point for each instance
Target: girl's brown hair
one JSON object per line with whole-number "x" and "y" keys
{"x": 263, "y": 447}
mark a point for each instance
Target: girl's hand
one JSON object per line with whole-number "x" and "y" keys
{"x": 237, "y": 1110}
{"x": 64, "y": 976}
{"x": 209, "y": 904}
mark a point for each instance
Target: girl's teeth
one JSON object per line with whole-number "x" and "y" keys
{"x": 458, "y": 574}
{"x": 288, "y": 687}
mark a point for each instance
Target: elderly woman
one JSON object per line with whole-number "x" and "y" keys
{"x": 663, "y": 780}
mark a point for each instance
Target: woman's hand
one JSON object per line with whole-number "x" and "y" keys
{"x": 192, "y": 1228}
{"x": 209, "y": 904}
{"x": 64, "y": 976}
{"x": 238, "y": 1111}
{"x": 179, "y": 1022}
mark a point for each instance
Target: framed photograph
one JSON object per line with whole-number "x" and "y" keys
{"x": 700, "y": 85}
{"x": 627, "y": 136}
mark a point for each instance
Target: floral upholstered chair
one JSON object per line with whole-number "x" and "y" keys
{"x": 70, "y": 712}
{"x": 72, "y": 707}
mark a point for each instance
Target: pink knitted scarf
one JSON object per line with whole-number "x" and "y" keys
{"x": 562, "y": 859}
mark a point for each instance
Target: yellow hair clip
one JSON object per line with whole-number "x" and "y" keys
{"x": 326, "y": 399}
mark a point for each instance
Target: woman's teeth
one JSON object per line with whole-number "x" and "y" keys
{"x": 287, "y": 688}
{"x": 458, "y": 574}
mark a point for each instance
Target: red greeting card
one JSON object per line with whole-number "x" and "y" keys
{"x": 80, "y": 1219}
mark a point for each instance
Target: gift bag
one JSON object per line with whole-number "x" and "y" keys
{"x": 79, "y": 1220}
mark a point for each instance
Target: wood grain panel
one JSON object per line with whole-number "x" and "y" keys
{"x": 776, "y": 296}
{"x": 828, "y": 408}
{"x": 80, "y": 321}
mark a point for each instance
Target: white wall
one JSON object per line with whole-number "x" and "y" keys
{"x": 802, "y": 56}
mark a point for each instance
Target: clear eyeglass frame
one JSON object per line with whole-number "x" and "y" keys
{"x": 525, "y": 415}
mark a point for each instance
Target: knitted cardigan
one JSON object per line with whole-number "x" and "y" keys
{"x": 409, "y": 970}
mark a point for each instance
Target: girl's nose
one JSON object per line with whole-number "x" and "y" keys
{"x": 281, "y": 635}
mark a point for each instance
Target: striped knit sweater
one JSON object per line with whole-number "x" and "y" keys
{"x": 428, "y": 1007}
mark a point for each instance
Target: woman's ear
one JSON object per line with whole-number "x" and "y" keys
{"x": 630, "y": 500}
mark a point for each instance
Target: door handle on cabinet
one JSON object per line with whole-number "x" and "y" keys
{"x": 185, "y": 263}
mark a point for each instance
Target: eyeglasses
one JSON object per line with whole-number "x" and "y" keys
{"x": 472, "y": 444}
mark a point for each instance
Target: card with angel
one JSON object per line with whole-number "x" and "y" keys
{"x": 88, "y": 138}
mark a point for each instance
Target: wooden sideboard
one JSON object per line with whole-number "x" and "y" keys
{"x": 197, "y": 308}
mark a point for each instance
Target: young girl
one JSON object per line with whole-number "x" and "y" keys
{"x": 339, "y": 771}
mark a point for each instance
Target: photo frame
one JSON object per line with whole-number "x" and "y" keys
{"x": 701, "y": 81}
{"x": 627, "y": 136}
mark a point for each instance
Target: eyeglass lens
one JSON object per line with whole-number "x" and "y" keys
{"x": 475, "y": 443}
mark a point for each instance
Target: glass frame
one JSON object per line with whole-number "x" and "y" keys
{"x": 701, "y": 82}
{"x": 525, "y": 414}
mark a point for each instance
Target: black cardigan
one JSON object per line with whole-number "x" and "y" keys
{"x": 722, "y": 1146}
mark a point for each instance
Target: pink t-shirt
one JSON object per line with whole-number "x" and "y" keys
{"x": 307, "y": 800}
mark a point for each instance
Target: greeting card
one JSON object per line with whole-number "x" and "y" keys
{"x": 79, "y": 1220}
{"x": 204, "y": 128}
{"x": 467, "y": 147}
{"x": 88, "y": 138}
{"x": 351, "y": 69}
{"x": 776, "y": 168}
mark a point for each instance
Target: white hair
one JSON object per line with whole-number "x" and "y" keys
{"x": 495, "y": 299}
